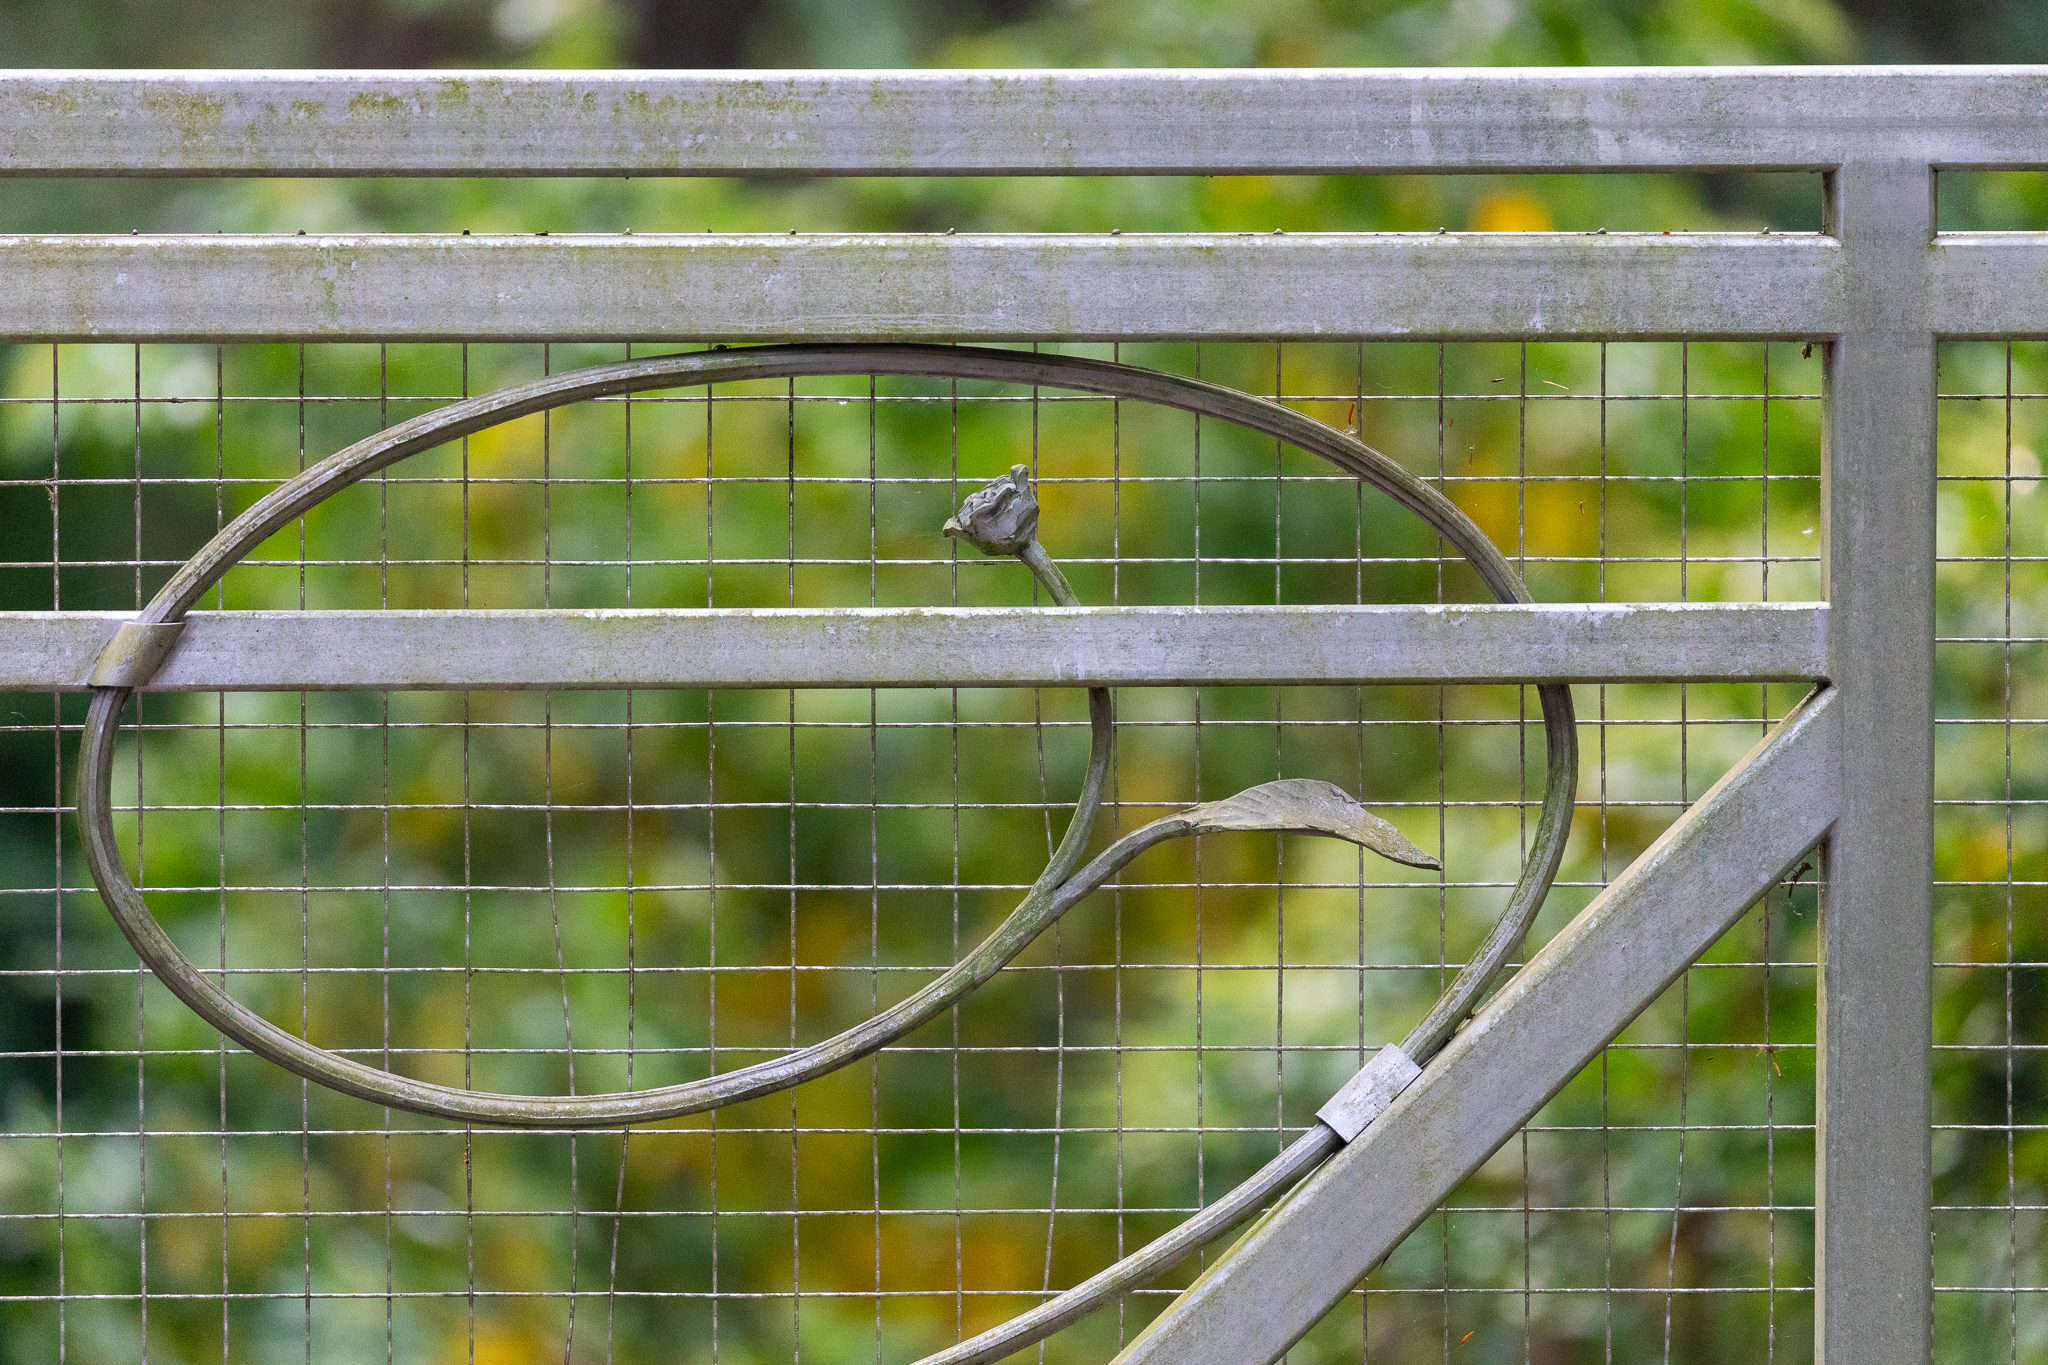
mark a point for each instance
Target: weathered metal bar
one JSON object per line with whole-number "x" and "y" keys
{"x": 991, "y": 122}
{"x": 1874, "y": 1273}
{"x": 1573, "y": 997}
{"x": 980, "y": 646}
{"x": 1989, "y": 284}
{"x": 874, "y": 287}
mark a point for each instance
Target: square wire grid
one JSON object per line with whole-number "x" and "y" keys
{"x": 604, "y": 890}
{"x": 1991, "y": 851}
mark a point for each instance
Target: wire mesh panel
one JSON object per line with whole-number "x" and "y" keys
{"x": 585, "y": 891}
{"x": 1988, "y": 1030}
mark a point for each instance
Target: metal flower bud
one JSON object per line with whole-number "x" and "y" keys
{"x": 1001, "y": 519}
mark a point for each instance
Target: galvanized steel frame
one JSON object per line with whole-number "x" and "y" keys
{"x": 1877, "y": 287}
{"x": 909, "y": 646}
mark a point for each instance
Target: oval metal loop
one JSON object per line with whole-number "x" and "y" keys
{"x": 346, "y": 467}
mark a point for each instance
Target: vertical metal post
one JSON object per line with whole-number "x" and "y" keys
{"x": 1874, "y": 1285}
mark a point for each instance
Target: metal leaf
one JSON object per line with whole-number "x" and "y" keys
{"x": 1301, "y": 805}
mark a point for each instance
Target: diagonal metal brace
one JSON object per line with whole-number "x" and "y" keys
{"x": 1543, "y": 1025}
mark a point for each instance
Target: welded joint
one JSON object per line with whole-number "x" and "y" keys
{"x": 135, "y": 653}
{"x": 1366, "y": 1095}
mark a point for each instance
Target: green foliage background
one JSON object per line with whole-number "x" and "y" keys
{"x": 1562, "y": 1248}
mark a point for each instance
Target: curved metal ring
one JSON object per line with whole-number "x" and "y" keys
{"x": 320, "y": 481}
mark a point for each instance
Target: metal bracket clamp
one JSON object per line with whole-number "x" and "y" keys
{"x": 135, "y": 653}
{"x": 1366, "y": 1095}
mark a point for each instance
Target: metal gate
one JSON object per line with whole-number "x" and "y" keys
{"x": 645, "y": 730}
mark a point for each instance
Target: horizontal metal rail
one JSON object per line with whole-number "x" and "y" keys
{"x": 881, "y": 286}
{"x": 988, "y": 287}
{"x": 1008, "y": 122}
{"x": 1989, "y": 284}
{"x": 932, "y": 647}
{"x": 1552, "y": 1017}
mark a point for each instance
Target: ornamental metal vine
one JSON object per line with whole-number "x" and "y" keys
{"x": 1001, "y": 519}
